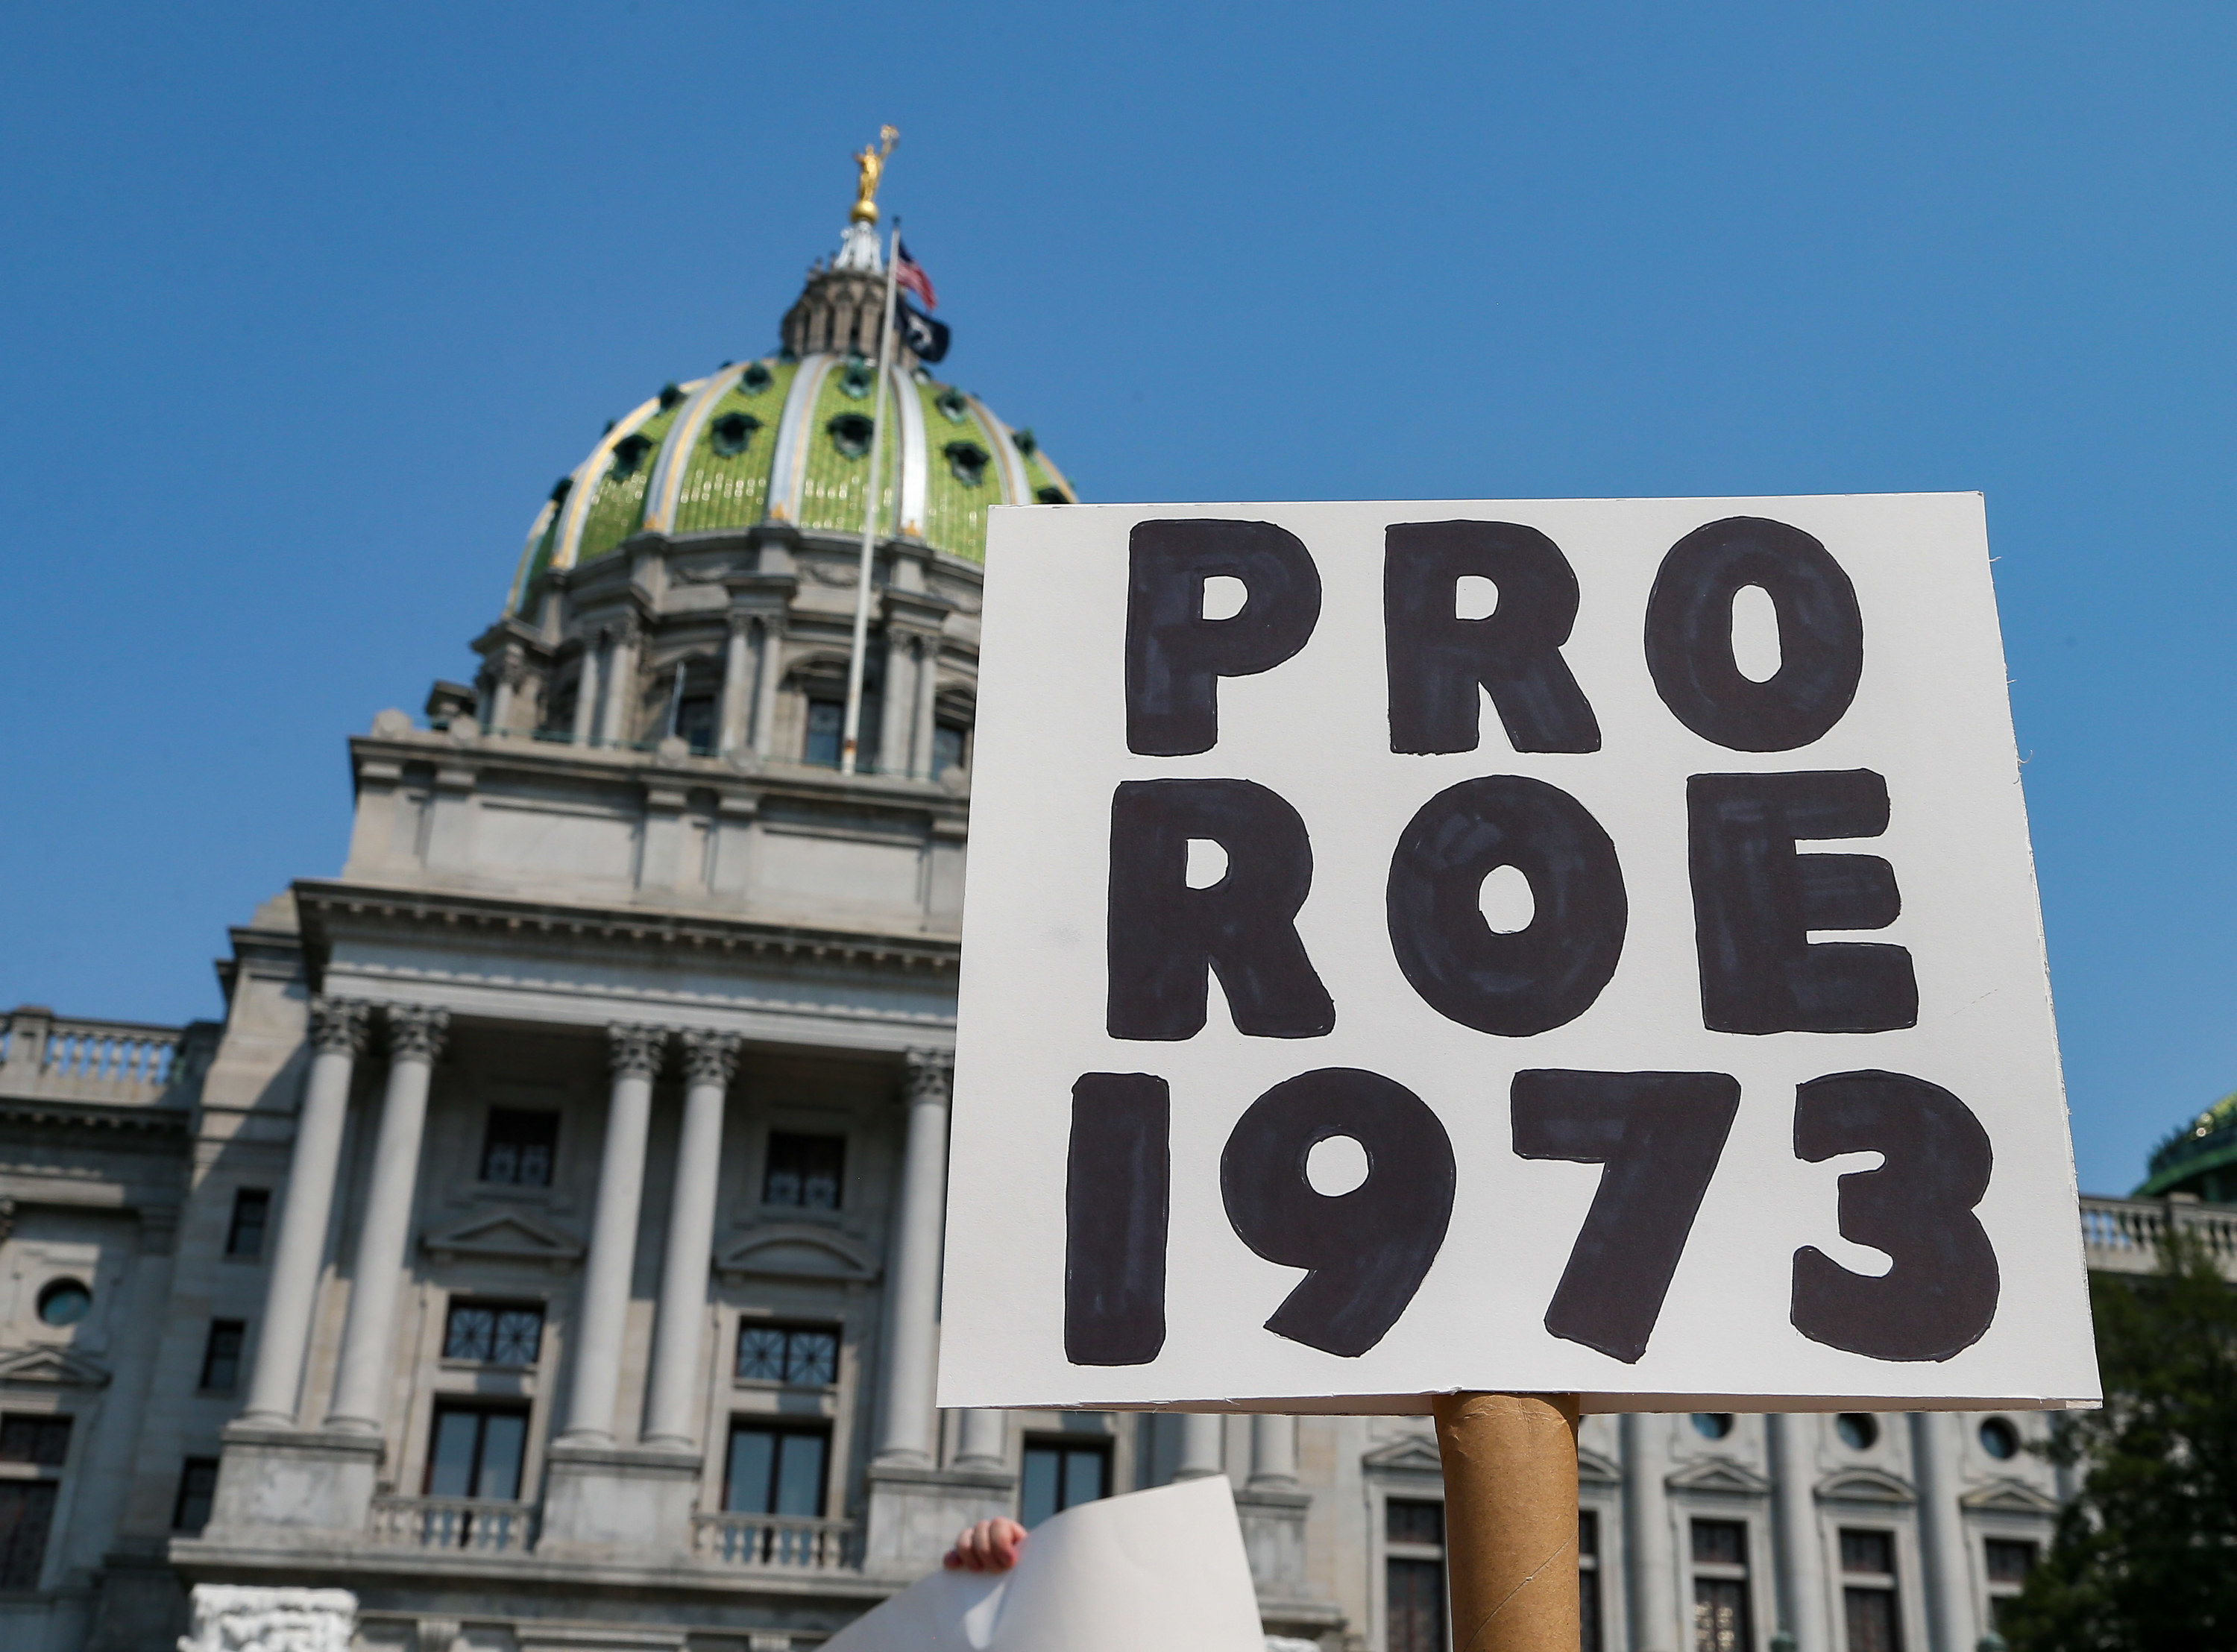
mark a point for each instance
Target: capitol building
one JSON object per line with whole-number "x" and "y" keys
{"x": 544, "y": 1247}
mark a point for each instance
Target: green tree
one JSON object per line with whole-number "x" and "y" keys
{"x": 2145, "y": 1559}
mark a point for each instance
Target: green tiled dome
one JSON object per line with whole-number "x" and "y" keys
{"x": 787, "y": 439}
{"x": 2200, "y": 1158}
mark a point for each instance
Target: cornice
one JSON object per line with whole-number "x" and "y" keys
{"x": 40, "y": 1113}
{"x": 379, "y": 757}
{"x": 321, "y": 904}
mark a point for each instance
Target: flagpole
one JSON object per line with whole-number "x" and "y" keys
{"x": 847, "y": 750}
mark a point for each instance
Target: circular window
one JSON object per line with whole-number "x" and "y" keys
{"x": 2000, "y": 1439}
{"x": 967, "y": 460}
{"x": 629, "y": 453}
{"x": 65, "y": 1302}
{"x": 731, "y": 434}
{"x": 1856, "y": 1431}
{"x": 851, "y": 433}
{"x": 1712, "y": 1424}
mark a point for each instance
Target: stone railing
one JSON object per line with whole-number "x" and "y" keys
{"x": 44, "y": 1056}
{"x": 773, "y": 1542}
{"x": 473, "y": 1523}
{"x": 2123, "y": 1235}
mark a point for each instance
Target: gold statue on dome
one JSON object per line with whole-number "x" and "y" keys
{"x": 870, "y": 166}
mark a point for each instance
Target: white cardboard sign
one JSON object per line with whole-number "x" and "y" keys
{"x": 1163, "y": 1569}
{"x": 1636, "y": 894}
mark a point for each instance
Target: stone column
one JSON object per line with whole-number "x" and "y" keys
{"x": 1652, "y": 1580}
{"x": 736, "y": 684}
{"x": 586, "y": 692}
{"x": 511, "y": 673}
{"x": 928, "y": 691}
{"x": 768, "y": 669}
{"x": 1273, "y": 1453}
{"x": 905, "y": 1412}
{"x": 709, "y": 1058}
{"x": 1202, "y": 1439}
{"x": 1794, "y": 1514}
{"x": 894, "y": 730}
{"x": 415, "y": 1039}
{"x": 1949, "y": 1622}
{"x": 621, "y": 682}
{"x": 298, "y": 1244}
{"x": 634, "y": 1053}
{"x": 1271, "y": 1509}
{"x": 985, "y": 1440}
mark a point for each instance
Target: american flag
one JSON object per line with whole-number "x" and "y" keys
{"x": 909, "y": 273}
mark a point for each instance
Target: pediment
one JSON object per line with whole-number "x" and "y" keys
{"x": 1865, "y": 1485}
{"x": 2010, "y": 1496}
{"x": 58, "y": 1365}
{"x": 1592, "y": 1466}
{"x": 799, "y": 1252}
{"x": 1409, "y": 1453}
{"x": 1720, "y": 1474}
{"x": 505, "y": 1236}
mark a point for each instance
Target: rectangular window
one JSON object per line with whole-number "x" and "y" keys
{"x": 495, "y": 1333}
{"x": 27, "y": 1510}
{"x": 2009, "y": 1562}
{"x": 476, "y": 1451}
{"x": 804, "y": 1171}
{"x": 190, "y": 1512}
{"x": 694, "y": 723}
{"x": 1720, "y": 1589}
{"x": 775, "y": 1470}
{"x": 518, "y": 1147}
{"x": 1061, "y": 1475}
{"x": 1868, "y": 1593}
{"x": 947, "y": 748}
{"x": 1588, "y": 1580}
{"x": 1414, "y": 1575}
{"x": 221, "y": 1356}
{"x": 41, "y": 1441}
{"x": 826, "y": 725}
{"x": 252, "y": 1210}
{"x": 804, "y": 1354}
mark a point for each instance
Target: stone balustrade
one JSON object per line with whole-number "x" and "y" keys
{"x": 775, "y": 1541}
{"x": 2123, "y": 1235}
{"x": 44, "y": 1056}
{"x": 478, "y": 1525}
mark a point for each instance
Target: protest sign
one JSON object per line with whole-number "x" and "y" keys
{"x": 1162, "y": 1568}
{"x": 1559, "y": 947}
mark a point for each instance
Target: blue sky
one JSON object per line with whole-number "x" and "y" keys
{"x": 303, "y": 310}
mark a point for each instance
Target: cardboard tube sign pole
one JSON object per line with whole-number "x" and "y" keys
{"x": 1510, "y": 1520}
{"x": 1562, "y": 947}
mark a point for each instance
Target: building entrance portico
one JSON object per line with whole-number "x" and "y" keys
{"x": 650, "y": 1182}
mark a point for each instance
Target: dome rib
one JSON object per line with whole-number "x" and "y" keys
{"x": 667, "y": 483}
{"x": 527, "y": 570}
{"x": 585, "y": 477}
{"x": 787, "y": 469}
{"x": 915, "y": 460}
{"x": 1016, "y": 488}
